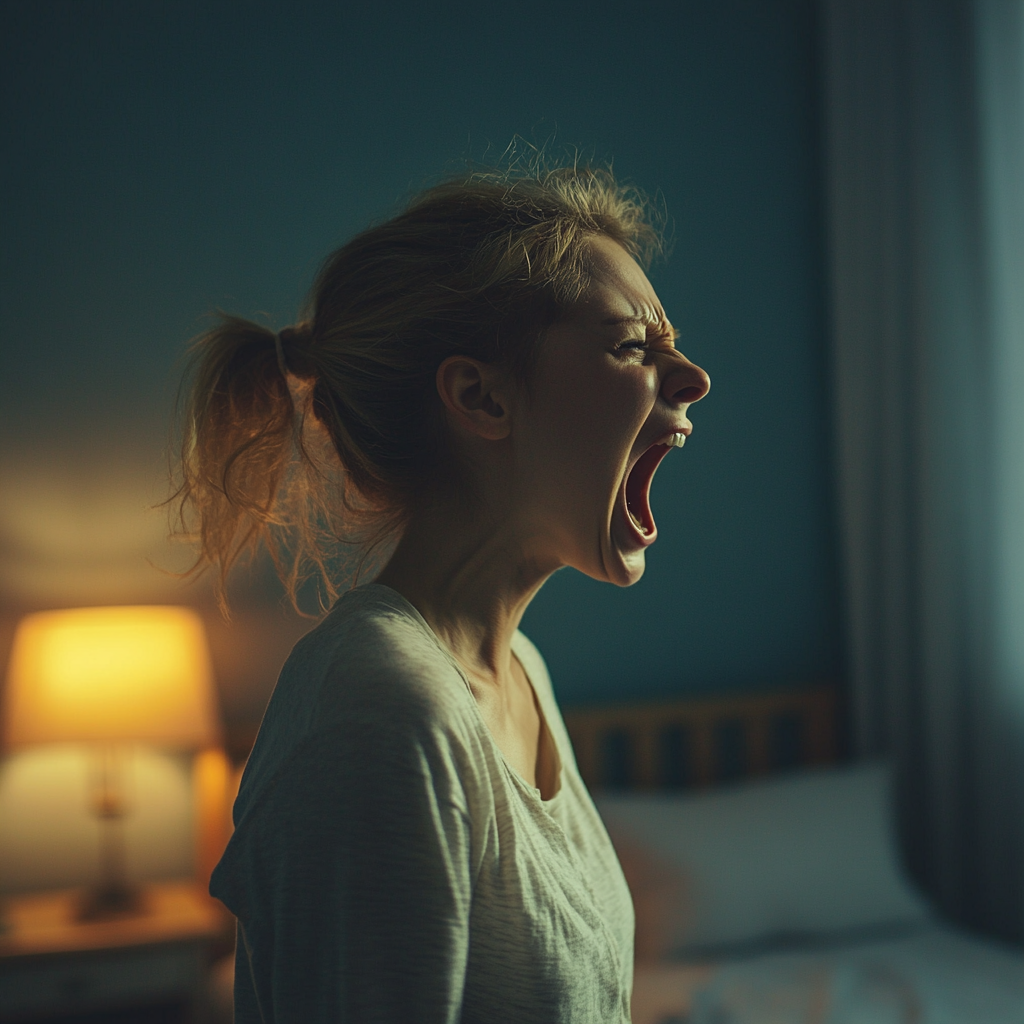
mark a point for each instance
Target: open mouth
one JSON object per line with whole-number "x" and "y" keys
{"x": 637, "y": 491}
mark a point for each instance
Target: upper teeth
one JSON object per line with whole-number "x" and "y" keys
{"x": 677, "y": 440}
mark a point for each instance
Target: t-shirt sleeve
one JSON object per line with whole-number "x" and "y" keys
{"x": 351, "y": 878}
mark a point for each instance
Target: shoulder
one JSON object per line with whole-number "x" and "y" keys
{"x": 372, "y": 647}
{"x": 371, "y": 671}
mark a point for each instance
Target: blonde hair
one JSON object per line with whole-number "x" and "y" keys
{"x": 479, "y": 266}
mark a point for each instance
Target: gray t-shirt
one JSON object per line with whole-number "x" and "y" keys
{"x": 387, "y": 863}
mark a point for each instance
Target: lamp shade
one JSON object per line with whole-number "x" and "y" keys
{"x": 111, "y": 675}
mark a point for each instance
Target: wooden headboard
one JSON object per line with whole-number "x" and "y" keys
{"x": 696, "y": 742}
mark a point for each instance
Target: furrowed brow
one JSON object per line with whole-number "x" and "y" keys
{"x": 644, "y": 321}
{"x": 615, "y": 321}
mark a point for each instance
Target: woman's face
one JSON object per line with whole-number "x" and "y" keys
{"x": 609, "y": 390}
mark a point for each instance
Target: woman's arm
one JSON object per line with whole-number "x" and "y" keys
{"x": 351, "y": 879}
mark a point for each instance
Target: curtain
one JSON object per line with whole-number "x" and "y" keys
{"x": 924, "y": 133}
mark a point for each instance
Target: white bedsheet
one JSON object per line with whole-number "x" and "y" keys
{"x": 936, "y": 975}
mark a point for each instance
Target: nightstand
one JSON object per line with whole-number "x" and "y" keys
{"x": 52, "y": 964}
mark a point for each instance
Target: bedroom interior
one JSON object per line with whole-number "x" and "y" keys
{"x": 804, "y": 727}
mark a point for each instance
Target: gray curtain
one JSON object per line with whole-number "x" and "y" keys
{"x": 924, "y": 115}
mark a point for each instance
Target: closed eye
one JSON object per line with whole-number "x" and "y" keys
{"x": 640, "y": 346}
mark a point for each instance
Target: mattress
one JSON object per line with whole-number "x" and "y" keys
{"x": 784, "y": 901}
{"x": 933, "y": 975}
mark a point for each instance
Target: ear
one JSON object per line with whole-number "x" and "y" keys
{"x": 476, "y": 396}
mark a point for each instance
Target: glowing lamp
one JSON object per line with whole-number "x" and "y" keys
{"x": 111, "y": 677}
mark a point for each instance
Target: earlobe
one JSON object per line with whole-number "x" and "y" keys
{"x": 474, "y": 397}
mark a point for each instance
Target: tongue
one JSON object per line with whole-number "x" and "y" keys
{"x": 638, "y": 487}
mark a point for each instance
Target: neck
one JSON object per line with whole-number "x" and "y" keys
{"x": 471, "y": 575}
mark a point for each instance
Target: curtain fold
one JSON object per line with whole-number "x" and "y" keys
{"x": 924, "y": 130}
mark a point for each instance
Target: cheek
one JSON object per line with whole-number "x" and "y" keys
{"x": 604, "y": 404}
{"x": 581, "y": 437}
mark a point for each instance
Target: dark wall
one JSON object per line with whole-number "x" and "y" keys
{"x": 165, "y": 158}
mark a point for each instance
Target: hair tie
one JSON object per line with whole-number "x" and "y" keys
{"x": 279, "y": 348}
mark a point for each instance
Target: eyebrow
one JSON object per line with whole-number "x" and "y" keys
{"x": 643, "y": 321}
{"x": 614, "y": 321}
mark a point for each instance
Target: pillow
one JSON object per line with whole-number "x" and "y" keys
{"x": 810, "y": 855}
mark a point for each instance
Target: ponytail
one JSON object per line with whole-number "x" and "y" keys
{"x": 241, "y": 436}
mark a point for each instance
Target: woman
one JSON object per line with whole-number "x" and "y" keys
{"x": 495, "y": 382}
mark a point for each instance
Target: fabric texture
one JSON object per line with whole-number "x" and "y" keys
{"x": 388, "y": 865}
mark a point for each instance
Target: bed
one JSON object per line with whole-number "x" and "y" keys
{"x": 765, "y": 876}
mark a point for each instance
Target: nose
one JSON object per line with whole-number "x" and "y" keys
{"x": 684, "y": 382}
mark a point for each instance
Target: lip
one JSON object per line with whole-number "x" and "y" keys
{"x": 686, "y": 429}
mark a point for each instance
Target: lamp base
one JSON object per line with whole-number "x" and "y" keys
{"x": 110, "y": 901}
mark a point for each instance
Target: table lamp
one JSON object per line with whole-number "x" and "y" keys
{"x": 108, "y": 678}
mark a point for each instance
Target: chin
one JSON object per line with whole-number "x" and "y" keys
{"x": 624, "y": 549}
{"x": 622, "y": 569}
{"x": 634, "y": 567}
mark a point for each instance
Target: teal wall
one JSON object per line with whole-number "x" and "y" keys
{"x": 166, "y": 158}
{"x": 741, "y": 588}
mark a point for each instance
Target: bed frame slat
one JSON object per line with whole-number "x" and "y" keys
{"x": 635, "y": 737}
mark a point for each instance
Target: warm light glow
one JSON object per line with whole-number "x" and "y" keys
{"x": 211, "y": 784}
{"x": 110, "y": 675}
